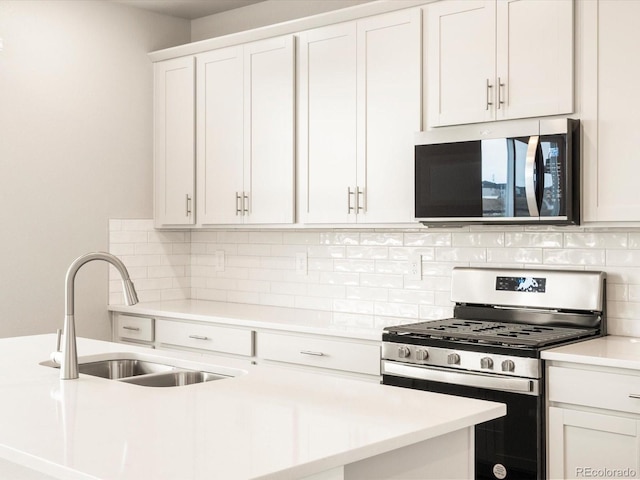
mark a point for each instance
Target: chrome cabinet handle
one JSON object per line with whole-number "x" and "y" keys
{"x": 529, "y": 176}
{"x": 198, "y": 337}
{"x": 634, "y": 395}
{"x": 500, "y": 85}
{"x": 245, "y": 204}
{"x": 359, "y": 206}
{"x": 489, "y": 87}
{"x": 310, "y": 352}
{"x": 349, "y": 207}
{"x": 133, "y": 329}
{"x": 188, "y": 205}
{"x": 238, "y": 207}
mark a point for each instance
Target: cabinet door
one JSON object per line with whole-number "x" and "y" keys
{"x": 461, "y": 46}
{"x": 174, "y": 155}
{"x": 611, "y": 101}
{"x": 327, "y": 119}
{"x": 269, "y": 146}
{"x": 389, "y": 114}
{"x": 534, "y": 67}
{"x": 582, "y": 443}
{"x": 220, "y": 136}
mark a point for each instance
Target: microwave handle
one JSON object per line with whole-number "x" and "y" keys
{"x": 530, "y": 176}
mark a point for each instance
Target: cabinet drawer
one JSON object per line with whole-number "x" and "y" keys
{"x": 319, "y": 352}
{"x": 612, "y": 391}
{"x": 205, "y": 337}
{"x": 134, "y": 328}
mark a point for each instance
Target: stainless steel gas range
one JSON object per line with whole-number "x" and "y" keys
{"x": 490, "y": 349}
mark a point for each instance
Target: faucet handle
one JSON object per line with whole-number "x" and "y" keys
{"x": 56, "y": 356}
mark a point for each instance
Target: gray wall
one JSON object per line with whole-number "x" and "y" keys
{"x": 76, "y": 123}
{"x": 262, "y": 14}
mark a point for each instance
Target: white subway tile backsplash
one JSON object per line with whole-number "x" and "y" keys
{"x": 387, "y": 239}
{"x": 363, "y": 276}
{"x": 533, "y": 239}
{"x": 339, "y": 238}
{"x": 478, "y": 239}
{"x": 463, "y": 254}
{"x": 430, "y": 239}
{"x": 374, "y": 294}
{"x": 514, "y": 255}
{"x": 596, "y": 240}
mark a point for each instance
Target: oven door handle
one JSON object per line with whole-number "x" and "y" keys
{"x": 492, "y": 382}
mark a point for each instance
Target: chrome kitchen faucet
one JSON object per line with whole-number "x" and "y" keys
{"x": 69, "y": 354}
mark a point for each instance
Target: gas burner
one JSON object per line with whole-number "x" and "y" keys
{"x": 490, "y": 332}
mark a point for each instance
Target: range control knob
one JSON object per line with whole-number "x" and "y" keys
{"x": 486, "y": 362}
{"x": 508, "y": 366}
{"x": 404, "y": 352}
{"x": 453, "y": 359}
{"x": 422, "y": 354}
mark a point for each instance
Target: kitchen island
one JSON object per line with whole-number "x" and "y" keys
{"x": 262, "y": 423}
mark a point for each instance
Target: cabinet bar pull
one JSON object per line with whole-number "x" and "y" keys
{"x": 634, "y": 395}
{"x": 360, "y": 206}
{"x": 349, "y": 207}
{"x": 500, "y": 85}
{"x": 133, "y": 329}
{"x": 198, "y": 337}
{"x": 309, "y": 352}
{"x": 489, "y": 87}
{"x": 238, "y": 207}
{"x": 188, "y": 206}
{"x": 245, "y": 203}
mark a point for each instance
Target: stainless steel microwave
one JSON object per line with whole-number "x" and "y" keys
{"x": 515, "y": 172}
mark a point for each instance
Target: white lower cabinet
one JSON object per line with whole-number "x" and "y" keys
{"x": 329, "y": 354}
{"x": 133, "y": 329}
{"x": 332, "y": 354}
{"x": 593, "y": 423}
{"x": 213, "y": 338}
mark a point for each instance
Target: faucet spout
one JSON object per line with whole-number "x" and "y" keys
{"x": 69, "y": 361}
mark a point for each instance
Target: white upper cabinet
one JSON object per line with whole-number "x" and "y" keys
{"x": 174, "y": 150}
{"x": 269, "y": 131}
{"x": 389, "y": 114}
{"x": 359, "y": 106}
{"x": 245, "y": 140}
{"x": 611, "y": 101}
{"x": 220, "y": 135}
{"x": 498, "y": 59}
{"x": 327, "y": 124}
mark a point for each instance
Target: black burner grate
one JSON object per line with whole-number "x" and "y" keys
{"x": 494, "y": 332}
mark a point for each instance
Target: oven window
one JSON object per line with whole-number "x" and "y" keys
{"x": 515, "y": 441}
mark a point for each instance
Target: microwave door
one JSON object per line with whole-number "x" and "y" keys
{"x": 527, "y": 182}
{"x": 552, "y": 161}
{"x": 497, "y": 179}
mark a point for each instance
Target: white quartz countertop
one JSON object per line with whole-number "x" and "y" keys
{"x": 266, "y": 424}
{"x": 260, "y": 316}
{"x": 608, "y": 351}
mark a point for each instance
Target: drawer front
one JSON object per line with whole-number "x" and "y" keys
{"x": 134, "y": 328}
{"x": 319, "y": 352}
{"x": 205, "y": 337}
{"x": 612, "y": 391}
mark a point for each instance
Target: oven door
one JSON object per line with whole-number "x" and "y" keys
{"x": 510, "y": 447}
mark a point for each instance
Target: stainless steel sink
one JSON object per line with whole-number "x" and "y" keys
{"x": 150, "y": 372}
{"x": 174, "y": 379}
{"x": 122, "y": 368}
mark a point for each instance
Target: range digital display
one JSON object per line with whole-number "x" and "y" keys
{"x": 521, "y": 284}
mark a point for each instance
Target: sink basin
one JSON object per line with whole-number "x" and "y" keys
{"x": 174, "y": 379}
{"x": 122, "y": 368}
{"x": 136, "y": 369}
